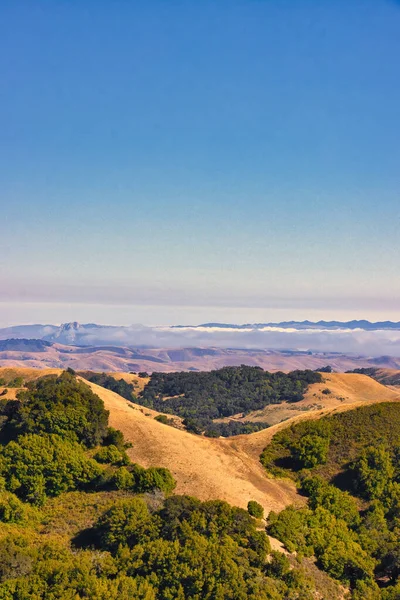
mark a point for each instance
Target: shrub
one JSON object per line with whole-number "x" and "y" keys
{"x": 146, "y": 480}
{"x": 111, "y": 455}
{"x": 15, "y": 557}
{"x": 115, "y": 437}
{"x": 12, "y": 510}
{"x": 311, "y": 450}
{"x": 255, "y": 509}
{"x": 372, "y": 472}
{"x": 339, "y": 503}
{"x": 162, "y": 419}
{"x": 278, "y": 565}
{"x": 127, "y": 523}
{"x": 123, "y": 479}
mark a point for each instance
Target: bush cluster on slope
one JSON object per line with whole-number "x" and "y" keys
{"x": 352, "y": 522}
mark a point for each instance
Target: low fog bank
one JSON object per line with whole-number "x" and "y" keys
{"x": 358, "y": 341}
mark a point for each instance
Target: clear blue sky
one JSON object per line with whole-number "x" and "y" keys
{"x": 185, "y": 161}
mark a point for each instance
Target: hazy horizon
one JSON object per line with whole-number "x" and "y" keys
{"x": 55, "y": 314}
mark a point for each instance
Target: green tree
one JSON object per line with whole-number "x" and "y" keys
{"x": 373, "y": 471}
{"x": 111, "y": 455}
{"x": 311, "y": 450}
{"x": 255, "y": 509}
{"x": 127, "y": 523}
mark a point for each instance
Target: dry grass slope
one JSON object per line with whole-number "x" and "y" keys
{"x": 224, "y": 468}
{"x": 203, "y": 467}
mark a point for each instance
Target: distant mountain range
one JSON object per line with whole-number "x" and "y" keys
{"x": 359, "y": 338}
{"x": 89, "y": 333}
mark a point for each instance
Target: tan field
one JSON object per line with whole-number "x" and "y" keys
{"x": 203, "y": 467}
{"x": 226, "y": 468}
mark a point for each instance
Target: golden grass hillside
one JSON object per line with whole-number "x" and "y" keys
{"x": 224, "y": 468}
{"x": 203, "y": 467}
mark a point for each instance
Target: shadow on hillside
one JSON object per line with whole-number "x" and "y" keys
{"x": 87, "y": 538}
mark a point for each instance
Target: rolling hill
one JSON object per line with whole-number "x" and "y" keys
{"x": 41, "y": 354}
{"x": 223, "y": 468}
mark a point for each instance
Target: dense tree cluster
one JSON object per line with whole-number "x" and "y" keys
{"x": 46, "y": 435}
{"x": 56, "y": 405}
{"x": 201, "y": 397}
{"x": 119, "y": 386}
{"x": 352, "y": 521}
{"x": 229, "y": 428}
{"x": 184, "y": 550}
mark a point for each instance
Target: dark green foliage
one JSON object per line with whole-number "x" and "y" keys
{"x": 119, "y": 386}
{"x": 372, "y": 472}
{"x": 146, "y": 480}
{"x": 339, "y": 503}
{"x": 16, "y": 382}
{"x": 112, "y": 455}
{"x": 126, "y": 523}
{"x": 140, "y": 480}
{"x": 53, "y": 572}
{"x": 326, "y": 391}
{"x": 336, "y": 547}
{"x": 278, "y": 565}
{"x": 192, "y": 550}
{"x": 164, "y": 419}
{"x": 45, "y": 465}
{"x": 311, "y": 450}
{"x": 60, "y": 405}
{"x": 352, "y": 545}
{"x": 255, "y": 509}
{"x": 123, "y": 479}
{"x": 234, "y": 428}
{"x": 181, "y": 549}
{"x": 12, "y": 510}
{"x": 115, "y": 437}
{"x": 202, "y": 397}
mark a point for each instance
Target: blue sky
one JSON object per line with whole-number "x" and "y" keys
{"x": 185, "y": 161}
